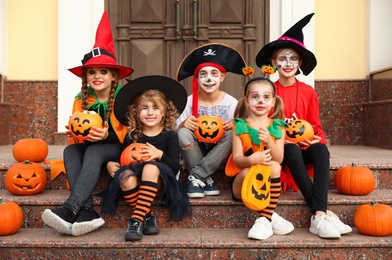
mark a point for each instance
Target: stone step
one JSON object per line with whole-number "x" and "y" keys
{"x": 175, "y": 243}
{"x": 210, "y": 212}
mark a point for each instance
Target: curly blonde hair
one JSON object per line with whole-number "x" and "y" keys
{"x": 155, "y": 96}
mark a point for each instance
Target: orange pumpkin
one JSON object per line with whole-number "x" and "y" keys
{"x": 374, "y": 219}
{"x": 299, "y": 130}
{"x": 25, "y": 178}
{"x": 11, "y": 218}
{"x": 132, "y": 154}
{"x": 268, "y": 70}
{"x": 210, "y": 129}
{"x": 31, "y": 149}
{"x": 354, "y": 180}
{"x": 81, "y": 122}
{"x": 248, "y": 70}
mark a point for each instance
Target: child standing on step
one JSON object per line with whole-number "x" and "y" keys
{"x": 153, "y": 103}
{"x": 83, "y": 161}
{"x": 259, "y": 139}
{"x": 289, "y": 55}
{"x": 208, "y": 65}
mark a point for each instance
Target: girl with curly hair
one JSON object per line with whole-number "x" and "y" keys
{"x": 151, "y": 121}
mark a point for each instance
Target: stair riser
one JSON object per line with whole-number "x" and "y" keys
{"x": 194, "y": 253}
{"x": 383, "y": 180}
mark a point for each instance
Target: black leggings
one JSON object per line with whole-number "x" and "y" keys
{"x": 83, "y": 164}
{"x": 316, "y": 192}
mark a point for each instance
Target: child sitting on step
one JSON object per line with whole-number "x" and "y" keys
{"x": 149, "y": 106}
{"x": 288, "y": 54}
{"x": 258, "y": 140}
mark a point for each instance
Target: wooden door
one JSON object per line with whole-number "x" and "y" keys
{"x": 153, "y": 36}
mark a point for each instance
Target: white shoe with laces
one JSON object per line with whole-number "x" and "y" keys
{"x": 337, "y": 223}
{"x": 261, "y": 229}
{"x": 319, "y": 225}
{"x": 280, "y": 226}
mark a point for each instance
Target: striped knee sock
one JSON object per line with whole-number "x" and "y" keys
{"x": 147, "y": 193}
{"x": 131, "y": 196}
{"x": 275, "y": 190}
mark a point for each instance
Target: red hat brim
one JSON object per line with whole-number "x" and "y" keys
{"x": 124, "y": 71}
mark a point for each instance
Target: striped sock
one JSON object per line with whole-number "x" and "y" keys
{"x": 275, "y": 191}
{"x": 131, "y": 196}
{"x": 147, "y": 193}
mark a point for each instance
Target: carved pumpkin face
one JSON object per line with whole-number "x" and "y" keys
{"x": 299, "y": 130}
{"x": 25, "y": 178}
{"x": 210, "y": 129}
{"x": 132, "y": 154}
{"x": 81, "y": 122}
{"x": 255, "y": 190}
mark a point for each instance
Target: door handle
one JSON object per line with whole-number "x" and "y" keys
{"x": 194, "y": 19}
{"x": 178, "y": 19}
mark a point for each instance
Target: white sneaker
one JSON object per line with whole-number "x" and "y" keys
{"x": 319, "y": 225}
{"x": 262, "y": 229}
{"x": 280, "y": 226}
{"x": 337, "y": 223}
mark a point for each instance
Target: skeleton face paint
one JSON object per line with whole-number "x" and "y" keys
{"x": 209, "y": 78}
{"x": 287, "y": 58}
{"x": 259, "y": 98}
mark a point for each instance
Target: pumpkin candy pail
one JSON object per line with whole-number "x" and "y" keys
{"x": 210, "y": 129}
{"x": 132, "y": 154}
{"x": 81, "y": 122}
{"x": 299, "y": 130}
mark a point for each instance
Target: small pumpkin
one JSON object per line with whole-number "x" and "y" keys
{"x": 248, "y": 70}
{"x": 354, "y": 180}
{"x": 81, "y": 122}
{"x": 31, "y": 149}
{"x": 299, "y": 130}
{"x": 210, "y": 129}
{"x": 374, "y": 219}
{"x": 11, "y": 218}
{"x": 268, "y": 69}
{"x": 132, "y": 154}
{"x": 26, "y": 178}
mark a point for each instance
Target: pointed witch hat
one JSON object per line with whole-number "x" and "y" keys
{"x": 102, "y": 54}
{"x": 294, "y": 39}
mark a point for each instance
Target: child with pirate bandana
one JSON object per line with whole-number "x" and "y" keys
{"x": 208, "y": 64}
{"x": 289, "y": 55}
{"x": 84, "y": 160}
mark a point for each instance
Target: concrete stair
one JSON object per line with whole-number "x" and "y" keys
{"x": 217, "y": 228}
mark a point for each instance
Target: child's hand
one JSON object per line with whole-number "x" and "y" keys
{"x": 191, "y": 123}
{"x": 98, "y": 134}
{"x": 68, "y": 133}
{"x": 264, "y": 135}
{"x": 262, "y": 157}
{"x": 228, "y": 124}
{"x": 112, "y": 167}
{"x": 151, "y": 151}
{"x": 316, "y": 139}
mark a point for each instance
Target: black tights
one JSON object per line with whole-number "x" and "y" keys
{"x": 316, "y": 192}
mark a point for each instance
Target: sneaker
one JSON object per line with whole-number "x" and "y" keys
{"x": 280, "y": 226}
{"x": 319, "y": 225}
{"x": 337, "y": 223}
{"x": 134, "y": 230}
{"x": 262, "y": 229}
{"x": 60, "y": 219}
{"x": 88, "y": 220}
{"x": 150, "y": 226}
{"x": 211, "y": 189}
{"x": 195, "y": 187}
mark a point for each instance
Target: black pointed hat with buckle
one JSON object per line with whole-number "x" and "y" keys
{"x": 294, "y": 39}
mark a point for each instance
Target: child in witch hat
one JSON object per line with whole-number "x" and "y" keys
{"x": 208, "y": 64}
{"x": 149, "y": 105}
{"x": 83, "y": 161}
{"x": 289, "y": 55}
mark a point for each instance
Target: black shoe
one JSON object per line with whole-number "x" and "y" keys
{"x": 135, "y": 230}
{"x": 88, "y": 220}
{"x": 150, "y": 225}
{"x": 60, "y": 219}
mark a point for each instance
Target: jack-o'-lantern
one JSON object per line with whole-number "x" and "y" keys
{"x": 255, "y": 190}
{"x": 81, "y": 122}
{"x": 210, "y": 129}
{"x": 25, "y": 178}
{"x": 299, "y": 130}
{"x": 132, "y": 154}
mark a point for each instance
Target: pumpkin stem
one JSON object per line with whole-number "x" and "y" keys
{"x": 1, "y": 201}
{"x": 373, "y": 203}
{"x": 353, "y": 165}
{"x": 26, "y": 162}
